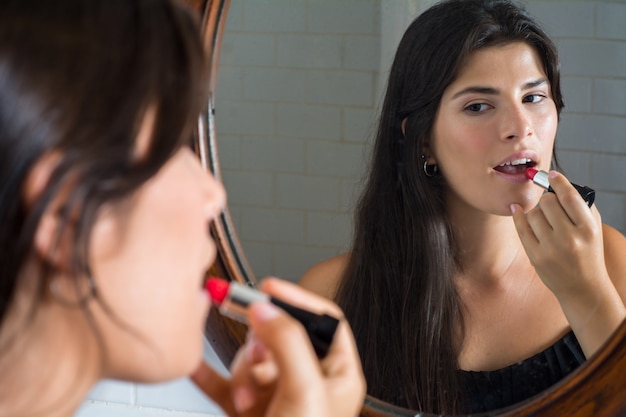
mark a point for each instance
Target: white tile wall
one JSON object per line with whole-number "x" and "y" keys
{"x": 609, "y": 97}
{"x": 308, "y": 121}
{"x": 299, "y": 108}
{"x": 298, "y": 94}
{"x": 610, "y": 20}
{"x": 272, "y": 225}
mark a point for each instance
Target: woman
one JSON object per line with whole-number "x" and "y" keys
{"x": 467, "y": 289}
{"x": 105, "y": 215}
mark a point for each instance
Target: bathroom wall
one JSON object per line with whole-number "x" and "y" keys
{"x": 295, "y": 109}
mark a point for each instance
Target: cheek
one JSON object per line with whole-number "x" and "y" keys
{"x": 546, "y": 125}
{"x": 455, "y": 146}
{"x": 150, "y": 272}
{"x": 550, "y": 136}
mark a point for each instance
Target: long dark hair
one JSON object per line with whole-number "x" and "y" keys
{"x": 397, "y": 291}
{"x": 77, "y": 78}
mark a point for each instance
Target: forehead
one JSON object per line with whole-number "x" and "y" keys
{"x": 511, "y": 61}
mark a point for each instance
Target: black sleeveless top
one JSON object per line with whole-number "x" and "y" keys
{"x": 491, "y": 390}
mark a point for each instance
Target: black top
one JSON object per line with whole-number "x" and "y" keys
{"x": 491, "y": 390}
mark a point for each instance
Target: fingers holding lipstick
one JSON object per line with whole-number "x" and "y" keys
{"x": 343, "y": 345}
{"x": 567, "y": 201}
{"x": 563, "y": 238}
{"x": 277, "y": 372}
{"x": 300, "y": 388}
{"x": 300, "y": 298}
{"x": 253, "y": 377}
{"x": 339, "y": 373}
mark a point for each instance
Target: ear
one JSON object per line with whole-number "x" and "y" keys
{"x": 48, "y": 245}
{"x": 38, "y": 177}
{"x": 427, "y": 151}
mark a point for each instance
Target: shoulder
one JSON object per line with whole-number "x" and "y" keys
{"x": 323, "y": 278}
{"x": 614, "y": 257}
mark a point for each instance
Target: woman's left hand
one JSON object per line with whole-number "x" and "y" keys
{"x": 563, "y": 239}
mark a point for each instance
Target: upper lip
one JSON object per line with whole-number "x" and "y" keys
{"x": 522, "y": 157}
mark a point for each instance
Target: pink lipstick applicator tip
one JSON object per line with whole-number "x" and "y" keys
{"x": 217, "y": 288}
{"x": 530, "y": 173}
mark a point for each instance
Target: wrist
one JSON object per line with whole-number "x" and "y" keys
{"x": 594, "y": 315}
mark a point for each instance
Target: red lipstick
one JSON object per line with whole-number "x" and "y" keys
{"x": 233, "y": 300}
{"x": 541, "y": 178}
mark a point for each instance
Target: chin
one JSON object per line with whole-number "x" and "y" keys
{"x": 183, "y": 367}
{"x": 178, "y": 363}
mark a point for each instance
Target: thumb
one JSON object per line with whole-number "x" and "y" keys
{"x": 286, "y": 339}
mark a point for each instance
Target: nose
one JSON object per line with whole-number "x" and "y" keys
{"x": 213, "y": 192}
{"x": 516, "y": 123}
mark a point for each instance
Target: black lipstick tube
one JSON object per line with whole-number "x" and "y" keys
{"x": 320, "y": 328}
{"x": 588, "y": 194}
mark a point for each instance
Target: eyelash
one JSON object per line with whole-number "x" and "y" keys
{"x": 540, "y": 97}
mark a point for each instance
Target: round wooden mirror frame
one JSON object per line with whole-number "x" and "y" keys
{"x": 597, "y": 389}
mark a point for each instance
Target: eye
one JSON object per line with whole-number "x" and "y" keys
{"x": 477, "y": 107}
{"x": 534, "y": 98}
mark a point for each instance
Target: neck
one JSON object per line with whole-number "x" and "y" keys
{"x": 47, "y": 363}
{"x": 488, "y": 245}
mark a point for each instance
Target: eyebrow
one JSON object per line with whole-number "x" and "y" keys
{"x": 494, "y": 91}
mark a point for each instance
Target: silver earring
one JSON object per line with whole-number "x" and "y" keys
{"x": 429, "y": 170}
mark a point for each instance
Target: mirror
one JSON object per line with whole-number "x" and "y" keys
{"x": 596, "y": 389}
{"x": 300, "y": 87}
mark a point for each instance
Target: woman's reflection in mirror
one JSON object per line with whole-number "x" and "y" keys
{"x": 469, "y": 288}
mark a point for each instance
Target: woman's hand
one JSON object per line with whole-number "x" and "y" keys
{"x": 276, "y": 373}
{"x": 563, "y": 239}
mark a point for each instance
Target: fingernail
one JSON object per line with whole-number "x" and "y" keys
{"x": 243, "y": 398}
{"x": 262, "y": 311}
{"x": 513, "y": 208}
{"x": 552, "y": 174}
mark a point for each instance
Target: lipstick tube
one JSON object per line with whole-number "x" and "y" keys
{"x": 233, "y": 300}
{"x": 541, "y": 179}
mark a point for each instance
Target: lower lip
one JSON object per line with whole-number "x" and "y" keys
{"x": 519, "y": 178}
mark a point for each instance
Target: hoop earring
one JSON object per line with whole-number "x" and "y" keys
{"x": 91, "y": 293}
{"x": 430, "y": 172}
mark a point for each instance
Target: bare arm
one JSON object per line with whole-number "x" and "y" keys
{"x": 615, "y": 258}
{"x": 324, "y": 277}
